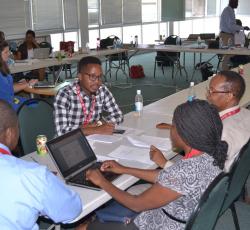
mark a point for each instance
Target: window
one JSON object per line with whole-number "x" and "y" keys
{"x": 185, "y": 28}
{"x": 55, "y": 41}
{"x": 111, "y": 31}
{"x": 47, "y": 15}
{"x": 71, "y": 15}
{"x": 172, "y": 10}
{"x": 93, "y": 13}
{"x": 211, "y": 7}
{"x": 93, "y": 35}
{"x": 149, "y": 11}
{"x": 111, "y": 15}
{"x": 72, "y": 36}
{"x": 14, "y": 21}
{"x": 129, "y": 33}
{"x": 195, "y": 8}
{"x": 131, "y": 11}
{"x": 150, "y": 33}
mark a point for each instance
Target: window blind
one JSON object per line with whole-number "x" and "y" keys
{"x": 14, "y": 21}
{"x": 47, "y": 16}
{"x": 131, "y": 11}
{"x": 71, "y": 15}
{"x": 172, "y": 10}
{"x": 93, "y": 12}
{"x": 111, "y": 11}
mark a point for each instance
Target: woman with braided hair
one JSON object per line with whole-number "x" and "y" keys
{"x": 175, "y": 192}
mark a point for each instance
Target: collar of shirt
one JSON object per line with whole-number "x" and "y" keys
{"x": 76, "y": 84}
{"x": 2, "y": 146}
{"x": 228, "y": 110}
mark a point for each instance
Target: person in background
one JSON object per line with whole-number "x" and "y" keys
{"x": 29, "y": 190}
{"x": 197, "y": 129}
{"x": 7, "y": 87}
{"x": 26, "y": 51}
{"x": 228, "y": 28}
{"x": 2, "y": 36}
{"x": 225, "y": 92}
{"x": 82, "y": 103}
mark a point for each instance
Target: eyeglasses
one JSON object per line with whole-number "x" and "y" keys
{"x": 211, "y": 91}
{"x": 93, "y": 77}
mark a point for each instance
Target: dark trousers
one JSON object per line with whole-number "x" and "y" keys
{"x": 96, "y": 225}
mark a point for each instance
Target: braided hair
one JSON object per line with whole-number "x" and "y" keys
{"x": 199, "y": 126}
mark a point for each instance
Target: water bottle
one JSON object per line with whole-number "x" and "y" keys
{"x": 136, "y": 41}
{"x": 138, "y": 103}
{"x": 199, "y": 41}
{"x": 191, "y": 92}
{"x": 98, "y": 44}
{"x": 220, "y": 43}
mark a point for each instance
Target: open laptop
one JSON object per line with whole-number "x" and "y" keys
{"x": 73, "y": 156}
{"x": 46, "y": 84}
{"x": 41, "y": 53}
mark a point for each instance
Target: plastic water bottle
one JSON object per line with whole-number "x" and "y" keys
{"x": 136, "y": 41}
{"x": 220, "y": 43}
{"x": 199, "y": 42}
{"x": 98, "y": 43}
{"x": 138, "y": 103}
{"x": 191, "y": 92}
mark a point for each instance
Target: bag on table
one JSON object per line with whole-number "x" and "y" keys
{"x": 136, "y": 71}
{"x": 115, "y": 212}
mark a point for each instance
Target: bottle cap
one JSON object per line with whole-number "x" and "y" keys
{"x": 191, "y": 83}
{"x": 138, "y": 91}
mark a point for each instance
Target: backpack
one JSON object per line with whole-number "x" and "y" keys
{"x": 136, "y": 71}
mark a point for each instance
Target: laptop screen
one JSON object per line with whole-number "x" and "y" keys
{"x": 71, "y": 152}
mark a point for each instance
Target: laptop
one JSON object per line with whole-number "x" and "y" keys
{"x": 73, "y": 156}
{"x": 46, "y": 84}
{"x": 41, "y": 53}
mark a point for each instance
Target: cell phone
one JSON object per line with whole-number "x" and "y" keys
{"x": 119, "y": 131}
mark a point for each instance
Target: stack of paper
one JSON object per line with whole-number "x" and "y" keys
{"x": 132, "y": 154}
{"x": 104, "y": 138}
{"x": 145, "y": 141}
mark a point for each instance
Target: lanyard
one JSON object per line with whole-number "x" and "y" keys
{"x": 4, "y": 151}
{"x": 229, "y": 114}
{"x": 87, "y": 116}
{"x": 192, "y": 153}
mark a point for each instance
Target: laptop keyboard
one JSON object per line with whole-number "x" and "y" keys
{"x": 80, "y": 178}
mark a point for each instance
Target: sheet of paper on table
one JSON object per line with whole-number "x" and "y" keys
{"x": 104, "y": 138}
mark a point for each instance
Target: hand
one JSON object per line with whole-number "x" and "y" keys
{"x": 157, "y": 156}
{"x": 246, "y": 28}
{"x": 112, "y": 166}
{"x": 95, "y": 176}
{"x": 106, "y": 128}
{"x": 33, "y": 82}
{"x": 163, "y": 126}
{"x": 22, "y": 84}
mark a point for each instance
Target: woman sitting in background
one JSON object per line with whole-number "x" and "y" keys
{"x": 7, "y": 88}
{"x": 196, "y": 129}
{"x": 26, "y": 51}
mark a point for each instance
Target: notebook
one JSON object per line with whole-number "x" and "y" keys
{"x": 46, "y": 84}
{"x": 73, "y": 156}
{"x": 41, "y": 53}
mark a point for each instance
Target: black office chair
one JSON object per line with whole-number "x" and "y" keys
{"x": 171, "y": 59}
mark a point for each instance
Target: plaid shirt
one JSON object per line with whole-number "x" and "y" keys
{"x": 68, "y": 113}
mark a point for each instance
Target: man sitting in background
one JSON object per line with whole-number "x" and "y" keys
{"x": 224, "y": 92}
{"x": 82, "y": 103}
{"x": 29, "y": 190}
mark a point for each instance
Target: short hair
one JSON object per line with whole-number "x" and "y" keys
{"x": 238, "y": 22}
{"x": 2, "y": 36}
{"x": 8, "y": 117}
{"x": 86, "y": 61}
{"x": 199, "y": 125}
{"x": 235, "y": 83}
{"x": 31, "y": 32}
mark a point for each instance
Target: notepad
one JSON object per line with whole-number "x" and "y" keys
{"x": 145, "y": 141}
{"x": 132, "y": 154}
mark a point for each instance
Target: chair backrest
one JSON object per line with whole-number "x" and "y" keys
{"x": 104, "y": 43}
{"x": 172, "y": 40}
{"x": 35, "y": 118}
{"x": 207, "y": 211}
{"x": 238, "y": 176}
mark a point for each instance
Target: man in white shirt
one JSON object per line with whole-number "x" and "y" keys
{"x": 228, "y": 28}
{"x": 224, "y": 92}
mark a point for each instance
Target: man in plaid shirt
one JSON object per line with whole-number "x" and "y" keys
{"x": 82, "y": 103}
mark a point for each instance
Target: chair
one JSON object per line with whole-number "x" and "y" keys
{"x": 170, "y": 58}
{"x": 238, "y": 176}
{"x": 35, "y": 117}
{"x": 206, "y": 212}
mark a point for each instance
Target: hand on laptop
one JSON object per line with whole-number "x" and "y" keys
{"x": 112, "y": 166}
{"x": 157, "y": 156}
{"x": 95, "y": 176}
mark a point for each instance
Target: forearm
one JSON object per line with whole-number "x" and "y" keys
{"x": 144, "y": 174}
{"x": 122, "y": 197}
{"x": 18, "y": 87}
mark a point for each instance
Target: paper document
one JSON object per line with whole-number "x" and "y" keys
{"x": 104, "y": 138}
{"x": 145, "y": 141}
{"x": 105, "y": 158}
{"x": 132, "y": 154}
